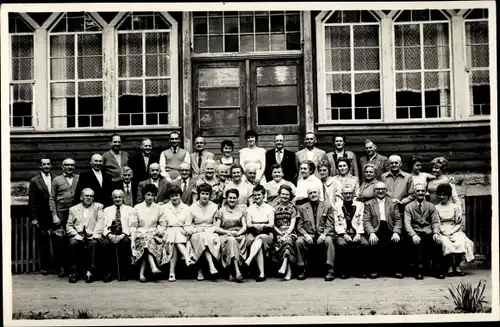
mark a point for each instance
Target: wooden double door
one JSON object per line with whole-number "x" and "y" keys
{"x": 232, "y": 97}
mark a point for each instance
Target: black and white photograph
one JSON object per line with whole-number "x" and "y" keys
{"x": 249, "y": 162}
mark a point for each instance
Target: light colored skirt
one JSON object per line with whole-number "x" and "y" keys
{"x": 267, "y": 240}
{"x": 458, "y": 243}
{"x": 233, "y": 248}
{"x": 173, "y": 235}
{"x": 199, "y": 242}
{"x": 145, "y": 241}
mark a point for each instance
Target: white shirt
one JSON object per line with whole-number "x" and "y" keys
{"x": 260, "y": 214}
{"x": 155, "y": 183}
{"x": 87, "y": 213}
{"x": 279, "y": 155}
{"x": 129, "y": 185}
{"x": 381, "y": 208}
{"x": 98, "y": 175}
{"x": 310, "y": 154}
{"x": 311, "y": 182}
{"x": 69, "y": 179}
{"x": 146, "y": 161}
{"x": 46, "y": 179}
{"x": 184, "y": 184}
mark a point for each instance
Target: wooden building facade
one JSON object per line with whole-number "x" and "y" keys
{"x": 413, "y": 81}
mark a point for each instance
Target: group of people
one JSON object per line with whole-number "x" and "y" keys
{"x": 294, "y": 209}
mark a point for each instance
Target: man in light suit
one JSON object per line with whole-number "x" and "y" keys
{"x": 282, "y": 156}
{"x": 41, "y": 218}
{"x": 199, "y": 157}
{"x": 310, "y": 152}
{"x": 157, "y": 180}
{"x": 97, "y": 180}
{"x": 128, "y": 185}
{"x": 380, "y": 162}
{"x": 62, "y": 194}
{"x": 340, "y": 152}
{"x": 383, "y": 225}
{"x": 315, "y": 229}
{"x": 186, "y": 182}
{"x": 141, "y": 161}
{"x": 116, "y": 242}
{"x": 84, "y": 237}
{"x": 423, "y": 226}
{"x": 115, "y": 159}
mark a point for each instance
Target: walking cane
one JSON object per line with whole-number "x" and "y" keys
{"x": 117, "y": 262}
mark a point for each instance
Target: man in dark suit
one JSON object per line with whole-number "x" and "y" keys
{"x": 157, "y": 180}
{"x": 186, "y": 182}
{"x": 282, "y": 156}
{"x": 128, "y": 185}
{"x": 383, "y": 226}
{"x": 62, "y": 194}
{"x": 380, "y": 162}
{"x": 39, "y": 195}
{"x": 315, "y": 227}
{"x": 141, "y": 161}
{"x": 114, "y": 159}
{"x": 423, "y": 226}
{"x": 97, "y": 180}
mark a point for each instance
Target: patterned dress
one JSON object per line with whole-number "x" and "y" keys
{"x": 232, "y": 247}
{"x": 284, "y": 246}
{"x": 146, "y": 222}
{"x": 175, "y": 233}
{"x": 449, "y": 215}
{"x": 201, "y": 219}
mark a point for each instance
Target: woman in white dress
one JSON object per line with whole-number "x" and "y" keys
{"x": 254, "y": 154}
{"x": 147, "y": 228}
{"x": 454, "y": 241}
{"x": 417, "y": 175}
{"x": 227, "y": 158}
{"x": 200, "y": 226}
{"x": 175, "y": 212}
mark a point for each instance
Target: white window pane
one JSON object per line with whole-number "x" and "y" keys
{"x": 436, "y": 34}
{"x": 408, "y": 82}
{"x": 276, "y": 75}
{"x": 22, "y": 69}
{"x": 338, "y": 60}
{"x": 246, "y": 42}
{"x": 338, "y": 36}
{"x": 157, "y": 43}
{"x": 408, "y": 58}
{"x": 213, "y": 77}
{"x": 436, "y": 57}
{"x": 157, "y": 65}
{"x": 366, "y": 35}
{"x": 62, "y": 46}
{"x": 89, "y": 44}
{"x": 407, "y": 35}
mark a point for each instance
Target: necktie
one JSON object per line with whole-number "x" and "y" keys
{"x": 118, "y": 221}
{"x": 184, "y": 186}
{"x": 420, "y": 207}
{"x": 199, "y": 159}
{"x": 127, "y": 190}
{"x": 280, "y": 156}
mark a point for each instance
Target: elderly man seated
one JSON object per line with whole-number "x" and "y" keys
{"x": 422, "y": 224}
{"x": 315, "y": 227}
{"x": 351, "y": 254}
{"x": 83, "y": 235}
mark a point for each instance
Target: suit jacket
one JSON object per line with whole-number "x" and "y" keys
{"x": 288, "y": 162}
{"x": 77, "y": 222}
{"x": 110, "y": 165}
{"x": 371, "y": 216}
{"x": 39, "y": 198}
{"x": 195, "y": 169}
{"x": 333, "y": 163}
{"x": 133, "y": 188}
{"x": 187, "y": 195}
{"x": 323, "y": 223}
{"x": 136, "y": 163}
{"x": 109, "y": 214}
{"x": 61, "y": 196}
{"x": 102, "y": 194}
{"x": 356, "y": 222}
{"x": 318, "y": 156}
{"x": 426, "y": 221}
{"x": 161, "y": 196}
{"x": 381, "y": 165}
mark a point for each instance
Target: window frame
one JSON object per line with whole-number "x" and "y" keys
{"x": 423, "y": 70}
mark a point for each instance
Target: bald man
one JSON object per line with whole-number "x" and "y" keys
{"x": 97, "y": 180}
{"x": 62, "y": 195}
{"x": 186, "y": 182}
{"x": 199, "y": 157}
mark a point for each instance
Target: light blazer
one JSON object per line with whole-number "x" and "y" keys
{"x": 371, "y": 216}
{"x": 62, "y": 195}
{"x": 322, "y": 224}
{"x": 161, "y": 196}
{"x": 356, "y": 222}
{"x": 333, "y": 164}
{"x": 110, "y": 165}
{"x": 288, "y": 162}
{"x": 205, "y": 155}
{"x": 126, "y": 213}
{"x": 38, "y": 200}
{"x": 318, "y": 156}
{"x": 102, "y": 194}
{"x": 76, "y": 221}
{"x": 426, "y": 221}
{"x": 381, "y": 165}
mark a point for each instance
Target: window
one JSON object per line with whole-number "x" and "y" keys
{"x": 76, "y": 61}
{"x": 422, "y": 64}
{"x": 352, "y": 66}
{"x": 144, "y": 70}
{"x": 477, "y": 61}
{"x": 246, "y": 31}
{"x": 22, "y": 72}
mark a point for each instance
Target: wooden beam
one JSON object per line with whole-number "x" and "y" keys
{"x": 380, "y": 13}
{"x": 52, "y": 18}
{"x": 98, "y": 19}
{"x": 308, "y": 72}
{"x": 387, "y": 86}
{"x": 110, "y": 78}
{"x": 462, "y": 12}
{"x": 320, "y": 69}
{"x": 452, "y": 12}
{"x": 117, "y": 18}
{"x": 459, "y": 82}
{"x": 29, "y": 20}
{"x": 41, "y": 88}
{"x": 392, "y": 13}
{"x": 322, "y": 15}
{"x": 187, "y": 109}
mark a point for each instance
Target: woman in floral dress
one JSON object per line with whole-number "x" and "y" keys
{"x": 454, "y": 241}
{"x": 231, "y": 226}
{"x": 285, "y": 218}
